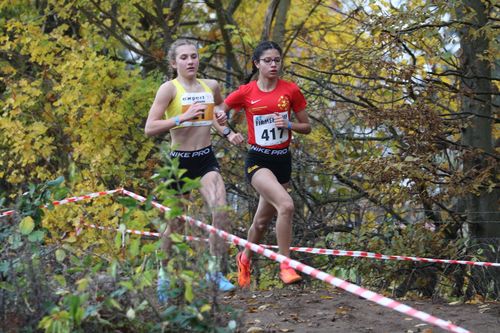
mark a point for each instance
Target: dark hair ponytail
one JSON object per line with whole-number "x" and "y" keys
{"x": 257, "y": 53}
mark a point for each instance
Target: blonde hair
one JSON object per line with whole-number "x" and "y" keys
{"x": 172, "y": 51}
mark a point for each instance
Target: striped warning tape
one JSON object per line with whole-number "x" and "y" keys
{"x": 345, "y": 253}
{"x": 350, "y": 287}
{"x": 72, "y": 199}
{"x": 129, "y": 231}
{"x": 7, "y": 213}
{"x": 373, "y": 255}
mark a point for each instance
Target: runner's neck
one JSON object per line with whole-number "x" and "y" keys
{"x": 266, "y": 85}
{"x": 190, "y": 84}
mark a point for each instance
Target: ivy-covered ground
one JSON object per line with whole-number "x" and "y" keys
{"x": 302, "y": 309}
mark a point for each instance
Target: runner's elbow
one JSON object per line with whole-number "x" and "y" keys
{"x": 148, "y": 131}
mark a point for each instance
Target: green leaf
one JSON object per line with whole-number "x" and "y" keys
{"x": 74, "y": 303}
{"x": 7, "y": 286}
{"x": 60, "y": 255}
{"x": 188, "y": 292}
{"x": 118, "y": 240}
{"x": 127, "y": 284}
{"x": 131, "y": 314}
{"x": 60, "y": 279}
{"x": 61, "y": 193}
{"x": 134, "y": 248}
{"x": 27, "y": 225}
{"x": 149, "y": 248}
{"x": 36, "y": 236}
{"x": 56, "y": 182}
{"x": 128, "y": 202}
{"x": 70, "y": 239}
{"x": 176, "y": 238}
{"x": 114, "y": 303}
{"x": 82, "y": 284}
{"x": 4, "y": 266}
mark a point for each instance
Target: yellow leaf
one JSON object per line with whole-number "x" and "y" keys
{"x": 82, "y": 284}
{"x": 27, "y": 225}
{"x": 188, "y": 293}
{"x": 205, "y": 308}
{"x": 326, "y": 297}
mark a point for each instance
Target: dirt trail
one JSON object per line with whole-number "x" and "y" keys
{"x": 295, "y": 309}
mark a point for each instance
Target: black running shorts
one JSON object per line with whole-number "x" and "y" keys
{"x": 197, "y": 163}
{"x": 278, "y": 161}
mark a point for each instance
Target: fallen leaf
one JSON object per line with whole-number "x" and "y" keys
{"x": 341, "y": 310}
{"x": 263, "y": 307}
{"x": 255, "y": 329}
{"x": 478, "y": 299}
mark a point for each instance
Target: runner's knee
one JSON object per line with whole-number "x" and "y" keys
{"x": 261, "y": 224}
{"x": 286, "y": 207}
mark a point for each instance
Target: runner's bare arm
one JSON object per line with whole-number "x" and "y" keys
{"x": 233, "y": 137}
{"x": 220, "y": 115}
{"x": 303, "y": 125}
{"x": 156, "y": 124}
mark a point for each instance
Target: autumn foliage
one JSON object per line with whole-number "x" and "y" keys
{"x": 403, "y": 157}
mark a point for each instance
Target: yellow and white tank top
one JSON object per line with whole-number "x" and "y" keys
{"x": 183, "y": 100}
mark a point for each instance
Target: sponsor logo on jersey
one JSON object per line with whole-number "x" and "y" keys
{"x": 284, "y": 103}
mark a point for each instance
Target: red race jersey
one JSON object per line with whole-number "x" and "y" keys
{"x": 259, "y": 108}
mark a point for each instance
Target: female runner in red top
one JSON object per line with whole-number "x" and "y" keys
{"x": 268, "y": 103}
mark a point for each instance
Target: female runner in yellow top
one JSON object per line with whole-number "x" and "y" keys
{"x": 185, "y": 107}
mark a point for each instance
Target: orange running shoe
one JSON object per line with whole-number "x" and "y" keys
{"x": 243, "y": 271}
{"x": 289, "y": 276}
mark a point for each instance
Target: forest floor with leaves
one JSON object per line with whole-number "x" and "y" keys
{"x": 299, "y": 309}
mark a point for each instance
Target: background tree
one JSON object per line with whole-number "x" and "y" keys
{"x": 477, "y": 91}
{"x": 403, "y": 98}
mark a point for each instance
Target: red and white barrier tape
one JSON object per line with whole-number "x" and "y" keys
{"x": 373, "y": 255}
{"x": 72, "y": 199}
{"x": 7, "y": 213}
{"x": 345, "y": 253}
{"x": 128, "y": 231}
{"x": 350, "y": 287}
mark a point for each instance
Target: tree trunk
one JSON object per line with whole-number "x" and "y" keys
{"x": 482, "y": 207}
{"x": 268, "y": 20}
{"x": 278, "y": 34}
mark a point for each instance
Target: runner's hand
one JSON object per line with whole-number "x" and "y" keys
{"x": 280, "y": 121}
{"x": 221, "y": 117}
{"x": 195, "y": 110}
{"x": 235, "y": 138}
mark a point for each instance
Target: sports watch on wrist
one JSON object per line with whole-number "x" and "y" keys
{"x": 226, "y": 131}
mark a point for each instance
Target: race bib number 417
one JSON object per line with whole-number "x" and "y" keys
{"x": 266, "y": 133}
